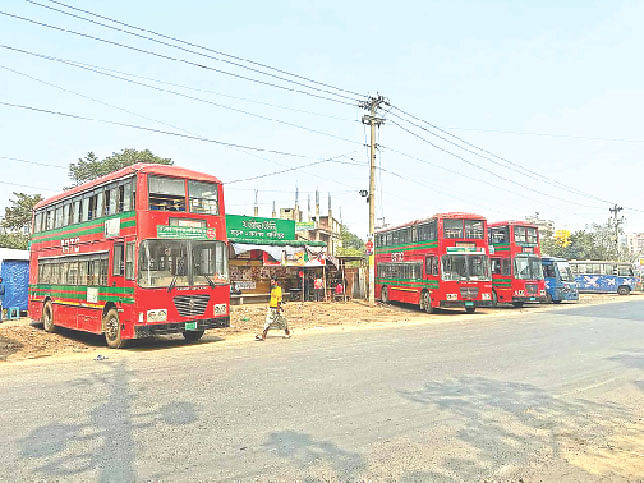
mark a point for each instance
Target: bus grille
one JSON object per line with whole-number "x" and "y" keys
{"x": 469, "y": 292}
{"x": 531, "y": 289}
{"x": 191, "y": 305}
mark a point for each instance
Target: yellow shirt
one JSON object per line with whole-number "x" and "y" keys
{"x": 276, "y": 296}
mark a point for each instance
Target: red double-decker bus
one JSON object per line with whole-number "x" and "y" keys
{"x": 517, "y": 274}
{"x": 137, "y": 253}
{"x": 440, "y": 261}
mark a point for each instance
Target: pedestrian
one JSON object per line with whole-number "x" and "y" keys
{"x": 318, "y": 286}
{"x": 275, "y": 318}
{"x": 339, "y": 290}
{"x": 1, "y": 298}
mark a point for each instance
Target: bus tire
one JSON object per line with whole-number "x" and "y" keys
{"x": 495, "y": 299}
{"x": 192, "y": 335}
{"x": 426, "y": 301}
{"x": 556, "y": 301}
{"x": 384, "y": 296}
{"x": 112, "y": 326}
{"x": 517, "y": 305}
{"x": 470, "y": 310}
{"x": 623, "y": 290}
{"x": 48, "y": 317}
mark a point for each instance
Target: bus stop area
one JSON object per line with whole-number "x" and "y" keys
{"x": 21, "y": 339}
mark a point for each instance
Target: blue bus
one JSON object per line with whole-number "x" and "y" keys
{"x": 560, "y": 282}
{"x": 604, "y": 277}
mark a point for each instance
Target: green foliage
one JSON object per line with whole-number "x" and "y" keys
{"x": 14, "y": 240}
{"x": 352, "y": 245}
{"x": 90, "y": 167}
{"x": 19, "y": 213}
{"x": 596, "y": 242}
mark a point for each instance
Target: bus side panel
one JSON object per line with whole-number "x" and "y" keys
{"x": 89, "y": 319}
{"x": 65, "y": 315}
{"x": 34, "y": 309}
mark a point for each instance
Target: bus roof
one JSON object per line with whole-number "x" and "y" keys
{"x": 158, "y": 169}
{"x": 451, "y": 214}
{"x": 512, "y": 222}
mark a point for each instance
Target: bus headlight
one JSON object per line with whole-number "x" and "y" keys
{"x": 452, "y": 296}
{"x": 518, "y": 292}
{"x": 486, "y": 296}
{"x": 157, "y": 315}
{"x": 542, "y": 292}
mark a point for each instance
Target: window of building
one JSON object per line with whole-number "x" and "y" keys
{"x": 166, "y": 194}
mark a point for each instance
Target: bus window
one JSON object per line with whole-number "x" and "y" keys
{"x": 499, "y": 234}
{"x": 549, "y": 271}
{"x": 608, "y": 269}
{"x": 532, "y": 234}
{"x": 505, "y": 266}
{"x": 59, "y": 217}
{"x": 203, "y": 197}
{"x": 126, "y": 196}
{"x": 77, "y": 211}
{"x": 474, "y": 229}
{"x": 414, "y": 233}
{"x": 129, "y": 260}
{"x": 66, "y": 207}
{"x": 100, "y": 198}
{"x": 453, "y": 228}
{"x": 72, "y": 273}
{"x": 624, "y": 271}
{"x": 84, "y": 208}
{"x": 37, "y": 222}
{"x": 166, "y": 194}
{"x": 114, "y": 199}
{"x": 519, "y": 234}
{"x": 117, "y": 260}
{"x": 496, "y": 266}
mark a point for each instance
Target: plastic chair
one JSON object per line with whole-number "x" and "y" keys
{"x": 13, "y": 313}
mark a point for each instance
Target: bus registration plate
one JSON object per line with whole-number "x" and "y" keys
{"x": 191, "y": 325}
{"x": 468, "y": 304}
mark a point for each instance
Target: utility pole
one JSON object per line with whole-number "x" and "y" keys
{"x": 617, "y": 221}
{"x": 372, "y": 105}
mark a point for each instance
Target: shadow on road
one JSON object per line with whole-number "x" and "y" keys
{"x": 627, "y": 310}
{"x": 510, "y": 424}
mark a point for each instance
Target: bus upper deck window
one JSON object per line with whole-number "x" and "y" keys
{"x": 166, "y": 194}
{"x": 474, "y": 229}
{"x": 519, "y": 233}
{"x": 453, "y": 228}
{"x": 203, "y": 197}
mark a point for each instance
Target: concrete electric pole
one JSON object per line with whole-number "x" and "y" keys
{"x": 617, "y": 221}
{"x": 372, "y": 105}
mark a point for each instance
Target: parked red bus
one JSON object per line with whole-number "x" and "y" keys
{"x": 436, "y": 262}
{"x": 137, "y": 253}
{"x": 517, "y": 274}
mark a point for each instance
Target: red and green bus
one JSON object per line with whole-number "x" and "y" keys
{"x": 517, "y": 274}
{"x": 436, "y": 262}
{"x": 136, "y": 253}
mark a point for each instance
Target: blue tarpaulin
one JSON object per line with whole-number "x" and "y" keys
{"x": 15, "y": 276}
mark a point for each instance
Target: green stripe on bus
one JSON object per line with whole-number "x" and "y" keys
{"x": 83, "y": 288}
{"x": 402, "y": 280}
{"x": 126, "y": 299}
{"x": 423, "y": 242}
{"x": 88, "y": 224}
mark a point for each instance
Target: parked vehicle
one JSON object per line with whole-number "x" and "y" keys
{"x": 517, "y": 274}
{"x": 440, "y": 261}
{"x": 136, "y": 253}
{"x": 559, "y": 279}
{"x": 604, "y": 277}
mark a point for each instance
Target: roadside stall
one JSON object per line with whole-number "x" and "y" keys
{"x": 264, "y": 248}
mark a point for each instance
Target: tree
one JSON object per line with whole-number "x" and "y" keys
{"x": 19, "y": 213}
{"x": 352, "y": 245}
{"x": 90, "y": 167}
{"x": 595, "y": 242}
{"x": 16, "y": 217}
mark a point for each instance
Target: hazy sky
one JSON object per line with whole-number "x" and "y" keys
{"x": 559, "y": 90}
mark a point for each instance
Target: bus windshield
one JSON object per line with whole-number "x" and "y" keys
{"x": 466, "y": 267}
{"x": 164, "y": 263}
{"x": 528, "y": 268}
{"x": 565, "y": 272}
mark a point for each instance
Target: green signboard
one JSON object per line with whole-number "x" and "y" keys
{"x": 304, "y": 225}
{"x": 184, "y": 232}
{"x": 258, "y": 228}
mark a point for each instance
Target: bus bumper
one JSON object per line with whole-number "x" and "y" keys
{"x": 461, "y": 304}
{"x": 142, "y": 331}
{"x": 528, "y": 299}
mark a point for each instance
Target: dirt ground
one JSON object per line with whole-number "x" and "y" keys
{"x": 25, "y": 339}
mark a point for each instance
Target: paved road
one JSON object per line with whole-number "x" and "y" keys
{"x": 549, "y": 395}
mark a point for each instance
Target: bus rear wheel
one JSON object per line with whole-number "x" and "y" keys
{"x": 192, "y": 335}
{"x": 48, "y": 317}
{"x": 113, "y": 330}
{"x": 623, "y": 291}
{"x": 556, "y": 301}
{"x": 384, "y": 296}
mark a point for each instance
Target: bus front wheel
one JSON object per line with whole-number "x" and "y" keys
{"x": 48, "y": 317}
{"x": 623, "y": 290}
{"x": 470, "y": 310}
{"x": 193, "y": 335}
{"x": 427, "y": 303}
{"x": 517, "y": 305}
{"x": 113, "y": 330}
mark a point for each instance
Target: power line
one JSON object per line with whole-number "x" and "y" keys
{"x": 160, "y": 89}
{"x": 171, "y": 58}
{"x": 549, "y": 134}
{"x": 512, "y": 165}
{"x": 35, "y": 163}
{"x": 224, "y": 54}
{"x": 482, "y": 168}
{"x": 168, "y": 44}
{"x": 26, "y": 186}
{"x": 149, "y": 129}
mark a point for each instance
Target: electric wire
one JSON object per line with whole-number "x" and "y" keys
{"x": 172, "y": 58}
{"x": 161, "y": 89}
{"x": 149, "y": 129}
{"x": 35, "y": 163}
{"x": 168, "y": 44}
{"x": 224, "y": 54}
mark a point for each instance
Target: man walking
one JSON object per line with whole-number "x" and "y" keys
{"x": 274, "y": 316}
